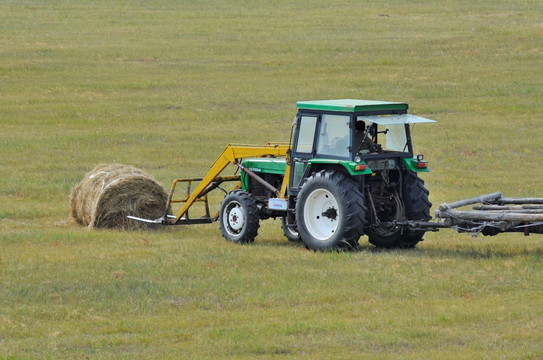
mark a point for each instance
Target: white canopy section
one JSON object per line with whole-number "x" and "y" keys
{"x": 394, "y": 119}
{"x": 395, "y": 138}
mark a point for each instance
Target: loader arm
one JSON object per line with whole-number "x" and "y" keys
{"x": 233, "y": 154}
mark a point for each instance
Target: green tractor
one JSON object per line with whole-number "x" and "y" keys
{"x": 349, "y": 170}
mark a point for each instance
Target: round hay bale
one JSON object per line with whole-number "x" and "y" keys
{"x": 110, "y": 192}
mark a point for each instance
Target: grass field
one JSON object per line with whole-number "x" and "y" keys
{"x": 165, "y": 85}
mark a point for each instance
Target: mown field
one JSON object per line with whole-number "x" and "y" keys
{"x": 165, "y": 85}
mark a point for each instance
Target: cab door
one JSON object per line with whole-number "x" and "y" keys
{"x": 303, "y": 149}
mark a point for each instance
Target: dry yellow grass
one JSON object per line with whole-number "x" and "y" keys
{"x": 166, "y": 85}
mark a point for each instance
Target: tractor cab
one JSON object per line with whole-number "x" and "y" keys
{"x": 359, "y": 135}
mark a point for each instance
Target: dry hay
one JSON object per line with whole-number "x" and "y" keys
{"x": 110, "y": 192}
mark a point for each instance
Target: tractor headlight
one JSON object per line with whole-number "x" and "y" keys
{"x": 357, "y": 159}
{"x": 420, "y": 157}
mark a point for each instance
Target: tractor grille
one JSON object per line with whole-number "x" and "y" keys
{"x": 381, "y": 164}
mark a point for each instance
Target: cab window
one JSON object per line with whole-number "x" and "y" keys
{"x": 334, "y": 136}
{"x": 306, "y": 135}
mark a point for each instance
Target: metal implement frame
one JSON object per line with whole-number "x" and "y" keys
{"x": 232, "y": 154}
{"x": 202, "y": 198}
{"x": 496, "y": 214}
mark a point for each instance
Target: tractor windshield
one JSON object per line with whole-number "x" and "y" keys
{"x": 395, "y": 138}
{"x": 389, "y": 131}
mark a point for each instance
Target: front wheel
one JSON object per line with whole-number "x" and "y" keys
{"x": 330, "y": 211}
{"x": 238, "y": 217}
{"x": 290, "y": 230}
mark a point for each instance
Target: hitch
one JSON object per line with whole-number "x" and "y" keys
{"x": 417, "y": 225}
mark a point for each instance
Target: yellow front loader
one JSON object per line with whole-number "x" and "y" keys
{"x": 232, "y": 154}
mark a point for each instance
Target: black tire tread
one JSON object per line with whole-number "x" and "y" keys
{"x": 252, "y": 215}
{"x": 288, "y": 234}
{"x": 355, "y": 208}
{"x": 417, "y": 207}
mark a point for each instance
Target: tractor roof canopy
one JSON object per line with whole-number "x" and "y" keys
{"x": 394, "y": 119}
{"x": 351, "y": 105}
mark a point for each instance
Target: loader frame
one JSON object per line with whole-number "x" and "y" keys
{"x": 232, "y": 154}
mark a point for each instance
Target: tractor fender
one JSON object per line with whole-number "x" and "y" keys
{"x": 353, "y": 168}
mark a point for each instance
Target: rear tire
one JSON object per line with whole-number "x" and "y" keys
{"x": 238, "y": 217}
{"x": 417, "y": 207}
{"x": 414, "y": 205}
{"x": 330, "y": 211}
{"x": 388, "y": 237}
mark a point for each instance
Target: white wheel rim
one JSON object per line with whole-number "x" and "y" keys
{"x": 318, "y": 203}
{"x": 234, "y": 218}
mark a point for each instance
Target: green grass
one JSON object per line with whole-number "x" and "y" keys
{"x": 166, "y": 85}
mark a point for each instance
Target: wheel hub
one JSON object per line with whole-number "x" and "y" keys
{"x": 321, "y": 214}
{"x": 236, "y": 219}
{"x": 331, "y": 213}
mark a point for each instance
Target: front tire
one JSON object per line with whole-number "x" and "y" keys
{"x": 238, "y": 217}
{"x": 291, "y": 232}
{"x": 330, "y": 211}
